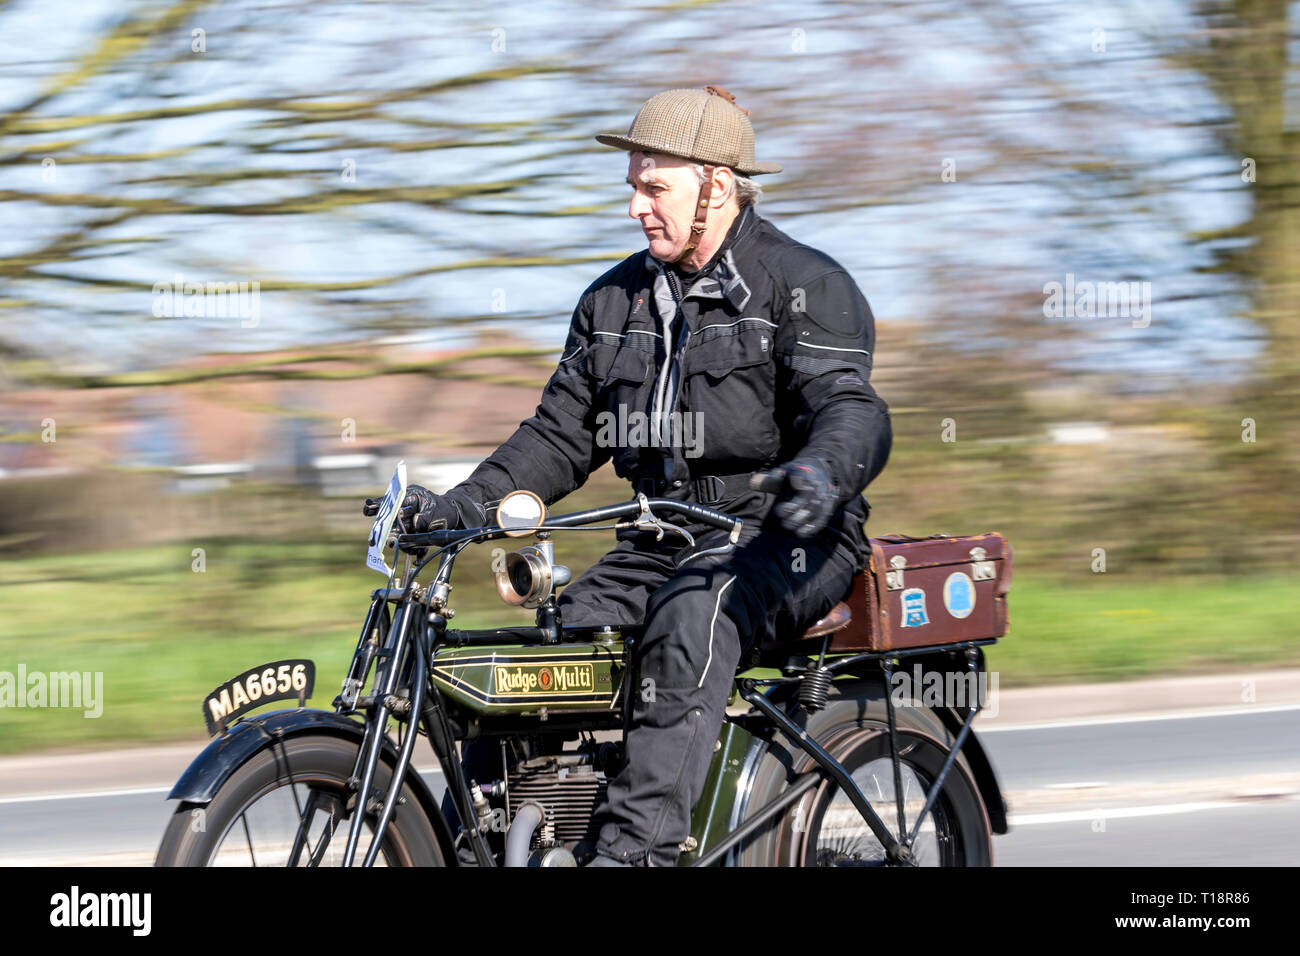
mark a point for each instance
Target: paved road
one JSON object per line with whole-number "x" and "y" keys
{"x": 1185, "y": 791}
{"x": 113, "y": 828}
{"x": 1141, "y": 789}
{"x": 1263, "y": 834}
{"x": 1147, "y": 751}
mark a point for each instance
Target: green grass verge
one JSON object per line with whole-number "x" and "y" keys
{"x": 1106, "y": 627}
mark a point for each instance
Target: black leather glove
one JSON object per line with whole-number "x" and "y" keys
{"x": 807, "y": 494}
{"x": 421, "y": 508}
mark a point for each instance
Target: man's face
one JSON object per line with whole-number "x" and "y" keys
{"x": 664, "y": 192}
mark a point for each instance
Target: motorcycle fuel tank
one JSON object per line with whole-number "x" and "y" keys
{"x": 514, "y": 679}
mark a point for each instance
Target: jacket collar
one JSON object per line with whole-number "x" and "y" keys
{"x": 720, "y": 278}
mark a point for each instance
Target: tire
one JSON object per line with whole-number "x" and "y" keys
{"x": 253, "y": 816}
{"x": 822, "y": 828}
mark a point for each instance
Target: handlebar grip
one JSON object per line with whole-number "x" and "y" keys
{"x": 701, "y": 513}
{"x": 371, "y": 508}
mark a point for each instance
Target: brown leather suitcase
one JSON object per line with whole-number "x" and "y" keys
{"x": 941, "y": 589}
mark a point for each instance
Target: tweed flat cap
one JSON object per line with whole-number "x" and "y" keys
{"x": 704, "y": 126}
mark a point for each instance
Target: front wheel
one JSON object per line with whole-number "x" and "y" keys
{"x": 254, "y": 819}
{"x": 823, "y": 828}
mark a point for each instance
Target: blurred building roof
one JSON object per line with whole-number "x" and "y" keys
{"x": 273, "y": 421}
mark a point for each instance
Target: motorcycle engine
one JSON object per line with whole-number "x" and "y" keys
{"x": 568, "y": 786}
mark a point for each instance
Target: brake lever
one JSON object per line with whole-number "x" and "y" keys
{"x": 647, "y": 520}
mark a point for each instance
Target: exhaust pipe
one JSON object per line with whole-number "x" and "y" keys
{"x": 521, "y": 831}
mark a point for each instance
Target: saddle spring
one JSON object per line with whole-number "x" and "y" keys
{"x": 814, "y": 688}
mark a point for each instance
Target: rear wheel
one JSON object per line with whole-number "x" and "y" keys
{"x": 823, "y": 828}
{"x": 254, "y": 818}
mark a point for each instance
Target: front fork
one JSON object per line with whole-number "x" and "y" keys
{"x": 389, "y": 655}
{"x": 402, "y": 656}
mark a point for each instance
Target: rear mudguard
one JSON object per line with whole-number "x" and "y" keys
{"x": 214, "y": 766}
{"x": 985, "y": 776}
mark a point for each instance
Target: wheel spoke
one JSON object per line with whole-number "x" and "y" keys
{"x": 305, "y": 819}
{"x": 291, "y": 817}
{"x": 268, "y": 832}
{"x": 249, "y": 836}
{"x": 326, "y": 836}
{"x": 843, "y": 837}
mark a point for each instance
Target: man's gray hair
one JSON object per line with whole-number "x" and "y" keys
{"x": 747, "y": 191}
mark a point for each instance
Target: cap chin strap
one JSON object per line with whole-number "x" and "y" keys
{"x": 701, "y": 214}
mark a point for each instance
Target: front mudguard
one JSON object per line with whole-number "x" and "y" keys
{"x": 226, "y": 753}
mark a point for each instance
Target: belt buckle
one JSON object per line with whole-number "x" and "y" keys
{"x": 717, "y": 489}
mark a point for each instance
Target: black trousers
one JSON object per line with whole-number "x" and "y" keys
{"x": 699, "y": 620}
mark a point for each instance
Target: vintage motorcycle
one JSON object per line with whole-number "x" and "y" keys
{"x": 835, "y": 761}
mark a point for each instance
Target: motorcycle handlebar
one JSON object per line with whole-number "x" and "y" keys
{"x": 702, "y": 514}
{"x": 371, "y": 508}
{"x": 705, "y": 515}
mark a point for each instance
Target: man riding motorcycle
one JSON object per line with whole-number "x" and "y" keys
{"x": 724, "y": 351}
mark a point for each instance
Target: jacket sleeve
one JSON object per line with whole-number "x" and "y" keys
{"x": 553, "y": 452}
{"x": 824, "y": 347}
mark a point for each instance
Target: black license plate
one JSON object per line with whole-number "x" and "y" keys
{"x": 279, "y": 680}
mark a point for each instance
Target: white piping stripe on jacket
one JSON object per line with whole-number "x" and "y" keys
{"x": 748, "y": 318}
{"x": 717, "y": 604}
{"x": 623, "y": 335}
{"x": 809, "y": 345}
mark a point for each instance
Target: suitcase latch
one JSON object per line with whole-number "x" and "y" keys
{"x": 894, "y": 578}
{"x": 981, "y": 568}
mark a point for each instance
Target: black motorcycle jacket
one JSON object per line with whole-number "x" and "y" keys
{"x": 692, "y": 383}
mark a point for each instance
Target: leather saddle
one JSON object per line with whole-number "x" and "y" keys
{"x": 836, "y": 619}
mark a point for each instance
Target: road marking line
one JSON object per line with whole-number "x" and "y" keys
{"x": 134, "y": 792}
{"x": 1117, "y": 813}
{"x": 1081, "y": 785}
{"x": 1136, "y": 718}
{"x": 84, "y": 795}
{"x": 108, "y": 858}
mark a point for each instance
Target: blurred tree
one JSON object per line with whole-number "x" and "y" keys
{"x": 1246, "y": 56}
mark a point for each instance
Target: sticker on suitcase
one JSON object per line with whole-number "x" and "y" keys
{"x": 914, "y": 608}
{"x": 959, "y": 594}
